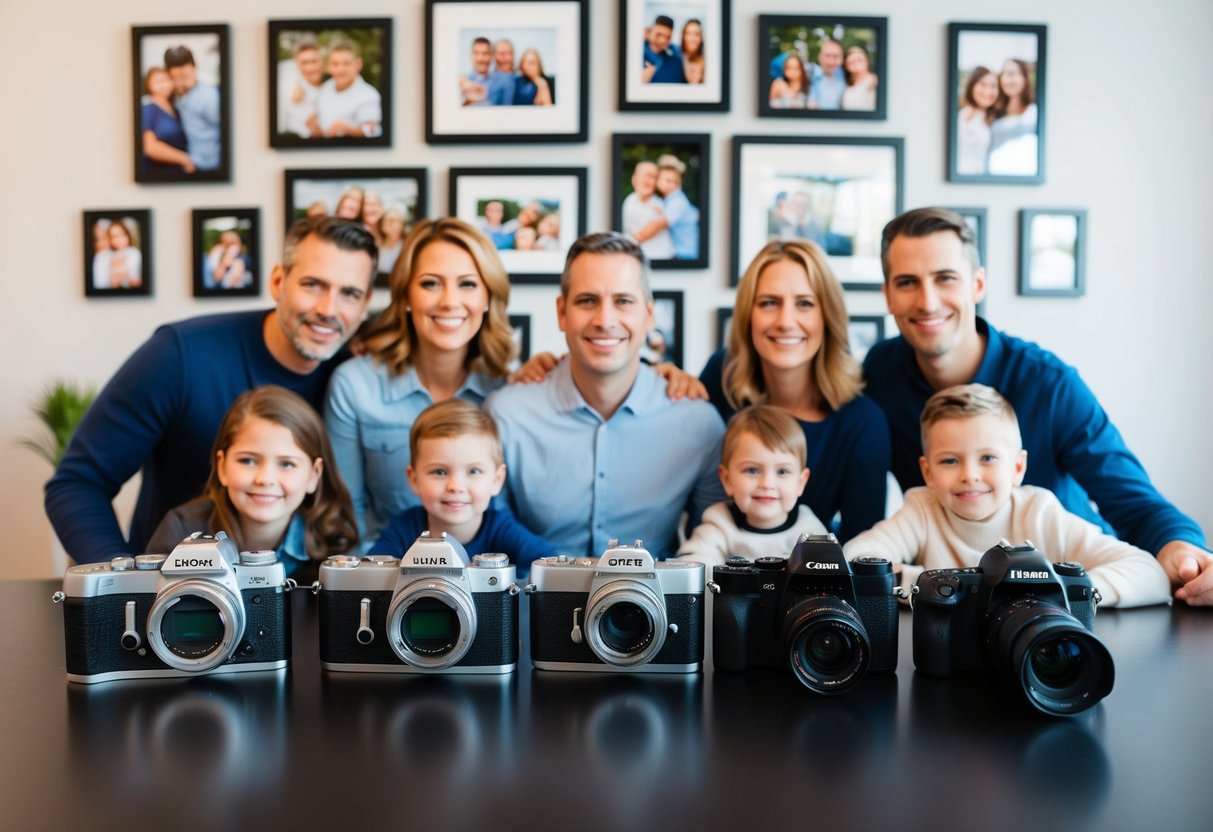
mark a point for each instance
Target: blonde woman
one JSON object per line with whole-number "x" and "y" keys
{"x": 531, "y": 86}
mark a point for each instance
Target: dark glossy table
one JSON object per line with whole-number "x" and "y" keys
{"x": 537, "y": 750}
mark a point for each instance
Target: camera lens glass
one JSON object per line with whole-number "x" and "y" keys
{"x": 192, "y": 627}
{"x": 626, "y": 628}
{"x": 826, "y": 644}
{"x": 1061, "y": 667}
{"x": 429, "y": 627}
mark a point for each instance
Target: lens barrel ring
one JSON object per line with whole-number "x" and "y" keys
{"x": 231, "y": 615}
{"x": 805, "y": 619}
{"x": 450, "y": 594}
{"x": 625, "y": 592}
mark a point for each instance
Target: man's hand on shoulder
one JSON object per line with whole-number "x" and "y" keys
{"x": 1190, "y": 570}
{"x": 679, "y": 383}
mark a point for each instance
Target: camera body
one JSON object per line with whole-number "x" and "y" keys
{"x": 621, "y": 612}
{"x": 1020, "y": 614}
{"x": 433, "y": 610}
{"x": 830, "y": 621}
{"x": 204, "y": 608}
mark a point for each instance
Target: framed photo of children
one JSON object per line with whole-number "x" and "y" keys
{"x": 835, "y": 191}
{"x": 664, "y": 341}
{"x": 330, "y": 82}
{"x": 386, "y": 200}
{"x": 227, "y": 252}
{"x": 1052, "y": 252}
{"x": 182, "y": 103}
{"x": 506, "y": 72}
{"x": 533, "y": 215}
{"x": 815, "y": 66}
{"x": 520, "y": 329}
{"x": 996, "y": 103}
{"x": 117, "y": 252}
{"x": 659, "y": 195}
{"x": 674, "y": 55}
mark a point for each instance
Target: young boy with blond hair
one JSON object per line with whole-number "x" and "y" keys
{"x": 762, "y": 469}
{"x": 457, "y": 468}
{"x": 973, "y": 463}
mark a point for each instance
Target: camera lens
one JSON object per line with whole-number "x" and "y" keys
{"x": 431, "y": 623}
{"x": 430, "y": 627}
{"x": 195, "y": 625}
{"x": 626, "y": 628}
{"x": 192, "y": 628}
{"x": 1061, "y": 667}
{"x": 826, "y": 644}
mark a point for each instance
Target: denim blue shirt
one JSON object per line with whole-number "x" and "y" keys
{"x": 199, "y": 113}
{"x": 826, "y": 91}
{"x": 683, "y": 218}
{"x": 292, "y": 552}
{"x": 578, "y": 480}
{"x": 369, "y": 414}
{"x": 501, "y": 87}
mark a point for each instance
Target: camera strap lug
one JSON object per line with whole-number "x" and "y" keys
{"x": 316, "y": 587}
{"x": 713, "y": 587}
{"x": 514, "y": 590}
{"x": 1097, "y": 595}
{"x": 529, "y": 589}
{"x": 59, "y": 597}
{"x": 289, "y": 584}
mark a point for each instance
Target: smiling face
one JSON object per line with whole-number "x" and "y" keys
{"x": 692, "y": 38}
{"x": 455, "y": 478}
{"x": 830, "y": 57}
{"x": 529, "y": 66}
{"x": 668, "y": 181}
{"x": 793, "y": 69}
{"x": 184, "y": 78}
{"x": 267, "y": 476}
{"x": 644, "y": 179}
{"x": 856, "y": 62}
{"x": 786, "y": 324}
{"x": 659, "y": 37}
{"x": 482, "y": 57}
{"x": 119, "y": 238}
{"x": 311, "y": 65}
{"x": 605, "y": 315}
{"x": 494, "y": 212}
{"x": 158, "y": 84}
{"x": 344, "y": 67}
{"x": 972, "y": 463}
{"x": 1012, "y": 79}
{"x": 932, "y": 291}
{"x": 985, "y": 91}
{"x": 448, "y": 298}
{"x": 764, "y": 483}
{"x": 503, "y": 56}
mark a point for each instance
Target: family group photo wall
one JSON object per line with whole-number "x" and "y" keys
{"x": 1089, "y": 190}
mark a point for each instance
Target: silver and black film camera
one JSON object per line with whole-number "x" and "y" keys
{"x": 204, "y": 608}
{"x": 829, "y": 621}
{"x": 620, "y": 612}
{"x": 430, "y": 611}
{"x": 1018, "y": 614}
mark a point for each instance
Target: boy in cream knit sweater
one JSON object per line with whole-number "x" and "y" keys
{"x": 973, "y": 465}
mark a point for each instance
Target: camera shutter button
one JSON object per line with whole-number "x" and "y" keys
{"x": 148, "y": 563}
{"x": 1068, "y": 568}
{"x": 262, "y": 557}
{"x": 122, "y": 564}
{"x": 946, "y": 590}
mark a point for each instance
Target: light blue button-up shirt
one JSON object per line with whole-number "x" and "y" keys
{"x": 199, "y": 112}
{"x": 578, "y": 480}
{"x": 369, "y": 414}
{"x": 826, "y": 91}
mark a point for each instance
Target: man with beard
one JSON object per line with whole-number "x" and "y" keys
{"x": 161, "y": 410}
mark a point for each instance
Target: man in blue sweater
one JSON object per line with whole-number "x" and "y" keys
{"x": 933, "y": 282}
{"x": 161, "y": 410}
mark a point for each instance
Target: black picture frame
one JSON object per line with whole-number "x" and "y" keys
{"x": 205, "y": 48}
{"x": 521, "y": 327}
{"x": 711, "y": 94}
{"x": 224, "y": 266}
{"x": 107, "y": 272}
{"x": 668, "y": 320}
{"x": 543, "y": 191}
{"x": 1010, "y": 149}
{"x": 772, "y": 180}
{"x": 295, "y": 42}
{"x": 557, "y": 31}
{"x": 689, "y": 242}
{"x": 805, "y": 35}
{"x": 306, "y": 189}
{"x": 1052, "y": 252}
{"x": 863, "y": 333}
{"x": 724, "y": 322}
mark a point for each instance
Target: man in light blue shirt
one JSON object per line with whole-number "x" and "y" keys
{"x": 503, "y": 78}
{"x": 197, "y": 106}
{"x": 598, "y": 450}
{"x": 474, "y": 86}
{"x": 681, "y": 216}
{"x": 829, "y": 81}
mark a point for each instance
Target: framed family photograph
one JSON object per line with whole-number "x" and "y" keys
{"x": 227, "y": 252}
{"x": 520, "y": 329}
{"x": 182, "y": 103}
{"x": 659, "y": 195}
{"x": 996, "y": 103}
{"x": 664, "y": 341}
{"x": 864, "y": 332}
{"x": 1052, "y": 252}
{"x": 724, "y": 324}
{"x": 506, "y": 72}
{"x": 674, "y": 55}
{"x": 822, "y": 66}
{"x": 533, "y": 215}
{"x": 388, "y": 201}
{"x": 835, "y": 191}
{"x": 117, "y": 252}
{"x": 331, "y": 82}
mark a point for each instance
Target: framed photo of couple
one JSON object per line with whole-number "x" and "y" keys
{"x": 659, "y": 196}
{"x": 532, "y": 215}
{"x": 117, "y": 253}
{"x": 815, "y": 66}
{"x": 674, "y": 55}
{"x": 996, "y": 103}
{"x": 838, "y": 192}
{"x": 506, "y": 72}
{"x": 181, "y": 88}
{"x": 330, "y": 83}
{"x": 227, "y": 252}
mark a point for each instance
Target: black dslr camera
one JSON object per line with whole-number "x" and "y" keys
{"x": 829, "y": 621}
{"x": 1016, "y": 612}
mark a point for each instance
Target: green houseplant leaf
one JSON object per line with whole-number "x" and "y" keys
{"x": 60, "y": 408}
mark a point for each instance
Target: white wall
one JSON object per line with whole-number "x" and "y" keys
{"x": 1129, "y": 125}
